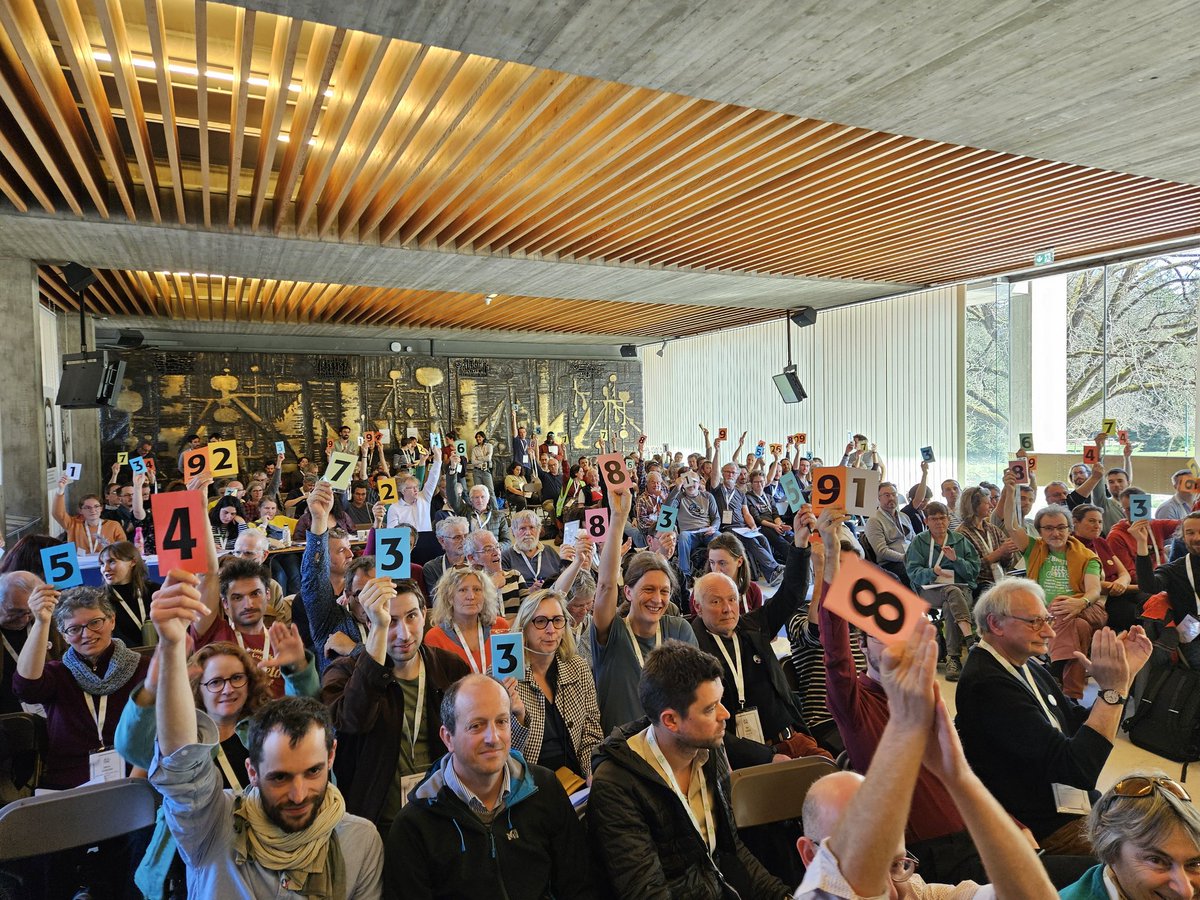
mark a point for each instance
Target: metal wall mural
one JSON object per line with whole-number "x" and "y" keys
{"x": 303, "y": 400}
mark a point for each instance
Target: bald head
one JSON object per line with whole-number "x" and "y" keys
{"x": 826, "y": 802}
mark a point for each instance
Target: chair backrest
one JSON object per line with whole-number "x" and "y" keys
{"x": 774, "y": 792}
{"x": 23, "y": 743}
{"x": 282, "y": 521}
{"x": 80, "y": 817}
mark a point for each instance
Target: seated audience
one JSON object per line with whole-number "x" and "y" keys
{"x": 1180, "y": 503}
{"x": 452, "y": 537}
{"x": 1123, "y": 545}
{"x": 515, "y": 487}
{"x": 727, "y": 556}
{"x": 227, "y": 518}
{"x": 1146, "y": 833}
{"x": 288, "y": 831}
{"x": 481, "y": 514}
{"x": 943, "y": 567}
{"x": 413, "y": 508}
{"x": 1121, "y": 610}
{"x": 87, "y": 531}
{"x": 853, "y": 844}
{"x": 1175, "y": 578}
{"x": 539, "y": 565}
{"x": 385, "y": 703}
{"x": 661, "y": 780}
{"x": 698, "y": 519}
{"x": 84, "y": 692}
{"x": 619, "y": 644}
{"x": 997, "y": 553}
{"x": 950, "y": 494}
{"x": 466, "y": 612}
{"x": 359, "y": 508}
{"x": 889, "y": 533}
{"x": 129, "y": 590}
{"x": 1026, "y": 740}
{"x": 484, "y": 822}
{"x": 556, "y": 719}
{"x": 335, "y": 628}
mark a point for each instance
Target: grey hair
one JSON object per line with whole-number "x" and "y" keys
{"x": 81, "y": 597}
{"x": 997, "y": 600}
{"x": 13, "y": 582}
{"x": 447, "y": 585}
{"x": 1143, "y": 821}
{"x": 1054, "y": 509}
{"x": 475, "y": 540}
{"x": 444, "y": 525}
{"x": 522, "y": 516}
{"x": 528, "y": 609}
{"x": 969, "y": 500}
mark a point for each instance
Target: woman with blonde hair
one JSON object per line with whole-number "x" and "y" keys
{"x": 466, "y": 612}
{"x": 556, "y": 718}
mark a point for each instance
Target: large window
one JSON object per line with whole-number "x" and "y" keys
{"x": 988, "y": 353}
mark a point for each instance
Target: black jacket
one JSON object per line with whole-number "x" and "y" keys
{"x": 534, "y": 849}
{"x": 1172, "y": 578}
{"x": 645, "y": 840}
{"x": 1015, "y": 751}
{"x": 367, "y": 706}
{"x": 756, "y": 629}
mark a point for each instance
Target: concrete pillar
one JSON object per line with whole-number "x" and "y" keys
{"x": 81, "y": 427}
{"x": 22, "y": 411}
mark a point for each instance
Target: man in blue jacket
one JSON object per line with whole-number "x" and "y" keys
{"x": 485, "y": 823}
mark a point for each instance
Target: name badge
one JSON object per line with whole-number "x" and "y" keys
{"x": 105, "y": 765}
{"x": 1071, "y": 800}
{"x": 747, "y": 725}
{"x": 727, "y": 517}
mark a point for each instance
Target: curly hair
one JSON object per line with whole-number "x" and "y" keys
{"x": 447, "y": 586}
{"x": 258, "y": 685}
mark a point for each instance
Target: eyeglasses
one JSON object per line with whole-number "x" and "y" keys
{"x": 903, "y": 868}
{"x": 1037, "y": 623}
{"x": 216, "y": 685}
{"x": 94, "y": 626}
{"x": 90, "y": 507}
{"x": 1142, "y": 785}
{"x": 540, "y": 622}
{"x": 245, "y": 554}
{"x": 1055, "y": 528}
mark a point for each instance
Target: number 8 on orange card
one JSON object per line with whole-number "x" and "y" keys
{"x": 866, "y": 596}
{"x": 180, "y": 522}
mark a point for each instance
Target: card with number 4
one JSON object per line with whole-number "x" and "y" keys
{"x": 180, "y": 521}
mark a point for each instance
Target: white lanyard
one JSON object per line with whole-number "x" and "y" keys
{"x": 1027, "y": 678}
{"x": 482, "y": 523}
{"x": 91, "y": 539}
{"x": 420, "y": 705}
{"x": 536, "y": 573}
{"x": 1192, "y": 577}
{"x": 227, "y": 768}
{"x": 266, "y": 649}
{"x": 482, "y": 664}
{"x": 362, "y": 630}
{"x": 140, "y": 620}
{"x": 709, "y": 838}
{"x": 932, "y": 564}
{"x": 735, "y": 665}
{"x": 637, "y": 648}
{"x": 99, "y": 713}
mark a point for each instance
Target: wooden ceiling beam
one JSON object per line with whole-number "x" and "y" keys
{"x": 166, "y": 99}
{"x": 283, "y": 61}
{"x": 206, "y": 185}
{"x": 243, "y": 49}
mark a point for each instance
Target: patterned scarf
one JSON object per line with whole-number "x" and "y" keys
{"x": 121, "y": 667}
{"x": 311, "y": 860}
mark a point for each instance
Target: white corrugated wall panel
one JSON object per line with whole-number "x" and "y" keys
{"x": 887, "y": 369}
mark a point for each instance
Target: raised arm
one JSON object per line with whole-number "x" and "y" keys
{"x": 173, "y": 609}
{"x": 32, "y": 660}
{"x": 1012, "y": 521}
{"x": 714, "y": 475}
{"x": 59, "y": 508}
{"x": 210, "y": 589}
{"x": 609, "y": 576}
{"x": 583, "y": 553}
{"x": 707, "y": 442}
{"x": 919, "y": 500}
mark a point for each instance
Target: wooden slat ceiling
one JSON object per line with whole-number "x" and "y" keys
{"x": 204, "y": 297}
{"x": 219, "y": 118}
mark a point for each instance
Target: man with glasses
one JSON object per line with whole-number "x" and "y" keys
{"x": 765, "y": 516}
{"x": 335, "y": 626}
{"x": 735, "y": 516}
{"x": 1146, "y": 833}
{"x": 1037, "y": 751}
{"x": 452, "y": 535}
{"x": 853, "y": 843}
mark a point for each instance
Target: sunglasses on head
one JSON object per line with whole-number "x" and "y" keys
{"x": 1143, "y": 785}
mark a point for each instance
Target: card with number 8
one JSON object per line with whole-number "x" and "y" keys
{"x": 866, "y": 596}
{"x": 595, "y": 524}
{"x": 393, "y": 552}
{"x": 613, "y": 470}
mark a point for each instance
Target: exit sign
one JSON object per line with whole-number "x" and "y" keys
{"x": 1044, "y": 258}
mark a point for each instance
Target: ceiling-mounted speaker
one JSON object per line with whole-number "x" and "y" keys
{"x": 629, "y": 351}
{"x": 130, "y": 339}
{"x": 79, "y": 278}
{"x": 803, "y": 317}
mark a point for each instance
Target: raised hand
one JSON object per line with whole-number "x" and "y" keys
{"x": 288, "y": 647}
{"x": 376, "y": 599}
{"x": 176, "y": 606}
{"x": 42, "y": 602}
{"x": 516, "y": 704}
{"x": 1137, "y": 648}
{"x": 907, "y": 671}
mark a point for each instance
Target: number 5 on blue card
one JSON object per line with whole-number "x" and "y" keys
{"x": 61, "y": 565}
{"x": 393, "y": 553}
{"x": 508, "y": 655}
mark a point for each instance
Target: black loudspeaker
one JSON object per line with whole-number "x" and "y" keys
{"x": 789, "y": 386}
{"x": 89, "y": 380}
{"x": 629, "y": 351}
{"x": 803, "y": 317}
{"x": 130, "y": 339}
{"x": 79, "y": 278}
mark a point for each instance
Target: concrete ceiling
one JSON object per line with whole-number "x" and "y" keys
{"x": 1105, "y": 83}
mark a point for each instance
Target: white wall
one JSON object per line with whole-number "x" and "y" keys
{"x": 888, "y": 369}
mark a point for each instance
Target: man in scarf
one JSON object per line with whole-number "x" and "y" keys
{"x": 289, "y": 833}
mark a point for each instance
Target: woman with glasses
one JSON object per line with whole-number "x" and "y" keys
{"x": 555, "y": 716}
{"x": 84, "y": 692}
{"x": 229, "y": 687}
{"x": 87, "y": 531}
{"x": 129, "y": 589}
{"x": 1146, "y": 834}
{"x": 1069, "y": 573}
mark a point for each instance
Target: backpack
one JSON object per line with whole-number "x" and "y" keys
{"x": 1168, "y": 715}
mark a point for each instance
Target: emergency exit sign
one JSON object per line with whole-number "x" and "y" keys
{"x": 1044, "y": 258}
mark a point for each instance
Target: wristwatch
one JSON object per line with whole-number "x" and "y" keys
{"x": 1111, "y": 697}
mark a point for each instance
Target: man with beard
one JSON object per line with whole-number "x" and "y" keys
{"x": 485, "y": 823}
{"x": 663, "y": 778}
{"x": 289, "y": 834}
{"x": 538, "y": 565}
{"x": 245, "y": 593}
{"x": 388, "y": 697}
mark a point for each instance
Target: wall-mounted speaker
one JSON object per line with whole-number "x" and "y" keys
{"x": 78, "y": 277}
{"x": 629, "y": 351}
{"x": 803, "y": 317}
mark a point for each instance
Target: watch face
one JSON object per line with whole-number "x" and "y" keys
{"x": 1111, "y": 696}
